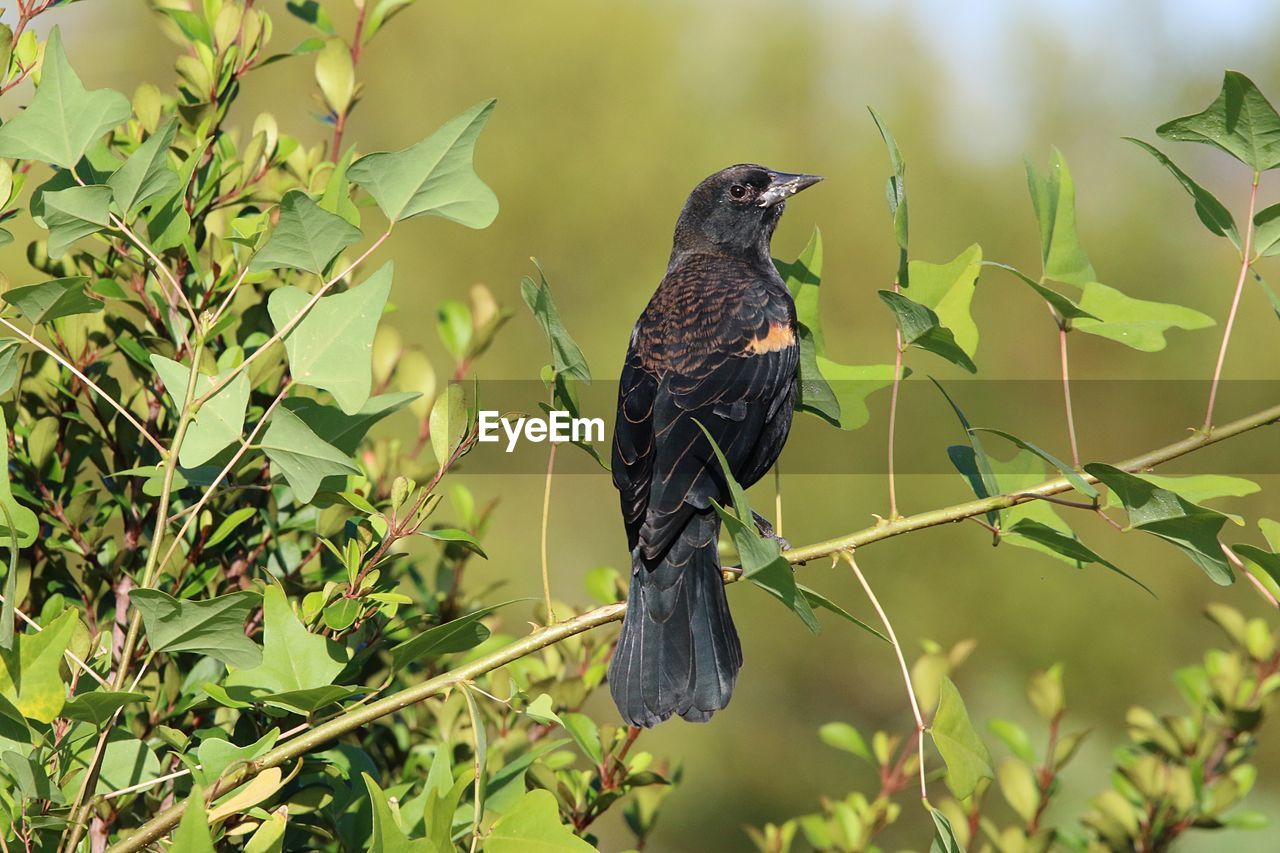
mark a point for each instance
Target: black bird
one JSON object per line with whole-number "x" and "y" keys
{"x": 717, "y": 344}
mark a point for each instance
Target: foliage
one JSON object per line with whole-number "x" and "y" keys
{"x": 1176, "y": 773}
{"x": 219, "y": 621}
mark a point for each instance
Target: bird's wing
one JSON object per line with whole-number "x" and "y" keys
{"x": 726, "y": 359}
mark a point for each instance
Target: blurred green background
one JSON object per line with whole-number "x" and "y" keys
{"x": 611, "y": 110}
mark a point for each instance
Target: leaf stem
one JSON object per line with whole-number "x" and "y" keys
{"x": 902, "y": 664}
{"x": 1245, "y": 263}
{"x": 893, "y": 423}
{"x": 546, "y": 515}
{"x": 1066, "y": 396}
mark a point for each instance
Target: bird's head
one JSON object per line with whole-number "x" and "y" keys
{"x": 736, "y": 210}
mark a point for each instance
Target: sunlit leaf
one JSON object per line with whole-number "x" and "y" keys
{"x": 533, "y": 824}
{"x": 1054, "y": 198}
{"x": 293, "y": 658}
{"x": 1191, "y": 527}
{"x": 566, "y": 357}
{"x": 220, "y": 419}
{"x": 1068, "y": 546}
{"x": 465, "y": 632}
{"x": 1136, "y": 323}
{"x": 307, "y": 237}
{"x": 64, "y": 119}
{"x": 967, "y": 758}
{"x": 97, "y": 707}
{"x": 30, "y": 673}
{"x": 1240, "y": 121}
{"x": 434, "y": 177}
{"x": 331, "y": 348}
{"x": 921, "y": 327}
{"x": 1079, "y": 483}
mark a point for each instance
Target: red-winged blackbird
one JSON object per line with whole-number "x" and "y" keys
{"x": 717, "y": 345}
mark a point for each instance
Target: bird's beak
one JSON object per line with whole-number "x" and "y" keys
{"x": 783, "y": 185}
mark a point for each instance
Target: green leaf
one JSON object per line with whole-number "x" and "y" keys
{"x": 310, "y": 700}
{"x": 944, "y": 837}
{"x": 1272, "y": 296}
{"x": 851, "y": 385}
{"x": 1265, "y": 561}
{"x": 64, "y": 119}
{"x": 1054, "y": 198}
{"x": 846, "y": 738}
{"x": 462, "y": 537}
{"x": 99, "y": 706}
{"x": 817, "y": 599}
{"x": 30, "y": 673}
{"x": 307, "y": 237}
{"x": 762, "y": 562}
{"x": 922, "y": 328}
{"x": 976, "y": 465}
{"x": 1266, "y": 239}
{"x": 388, "y": 836}
{"x": 1199, "y": 488}
{"x": 1073, "y": 477}
{"x": 1068, "y": 546}
{"x": 896, "y": 192}
{"x": 74, "y": 213}
{"x": 1240, "y": 121}
{"x": 33, "y": 782}
{"x": 292, "y": 657}
{"x": 586, "y": 734}
{"x": 1135, "y": 323}
{"x": 1212, "y": 212}
{"x": 146, "y": 175}
{"x": 219, "y": 421}
{"x": 948, "y": 289}
{"x": 1160, "y": 512}
{"x": 453, "y": 321}
{"x": 1014, "y": 737}
{"x": 336, "y": 75}
{"x": 301, "y": 456}
{"x": 61, "y": 297}
{"x": 448, "y": 423}
{"x": 566, "y": 358}
{"x": 803, "y": 278}
{"x": 434, "y": 177}
{"x": 25, "y": 525}
{"x": 193, "y": 832}
{"x": 463, "y": 633}
{"x": 331, "y": 348}
{"x": 229, "y": 525}
{"x": 343, "y": 431}
{"x": 13, "y": 726}
{"x": 1062, "y": 304}
{"x": 533, "y": 826}
{"x": 214, "y": 627}
{"x": 10, "y": 348}
{"x": 967, "y": 758}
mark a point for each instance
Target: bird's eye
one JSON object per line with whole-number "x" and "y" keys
{"x": 737, "y": 190}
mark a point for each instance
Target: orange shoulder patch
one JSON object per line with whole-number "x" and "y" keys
{"x": 779, "y": 337}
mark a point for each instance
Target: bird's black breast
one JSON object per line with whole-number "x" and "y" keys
{"x": 716, "y": 345}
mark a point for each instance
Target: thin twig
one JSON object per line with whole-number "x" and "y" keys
{"x": 1245, "y": 263}
{"x": 902, "y": 663}
{"x": 90, "y": 384}
{"x": 893, "y": 423}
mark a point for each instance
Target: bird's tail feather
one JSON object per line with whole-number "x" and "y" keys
{"x": 678, "y": 652}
